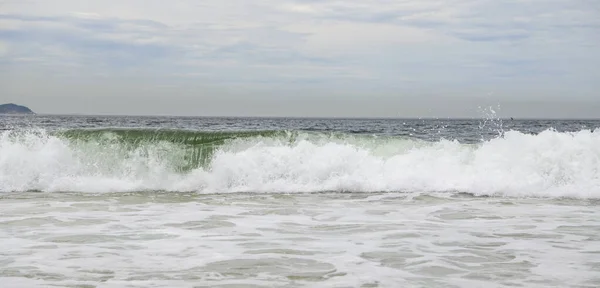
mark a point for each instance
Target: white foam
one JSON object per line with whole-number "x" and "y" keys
{"x": 549, "y": 164}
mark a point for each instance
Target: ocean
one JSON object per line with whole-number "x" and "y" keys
{"x": 122, "y": 201}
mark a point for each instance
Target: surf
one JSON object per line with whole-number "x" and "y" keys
{"x": 514, "y": 164}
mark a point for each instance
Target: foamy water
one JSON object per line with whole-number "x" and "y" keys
{"x": 298, "y": 203}
{"x": 297, "y": 240}
{"x": 549, "y": 164}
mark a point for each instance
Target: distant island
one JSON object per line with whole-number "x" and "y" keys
{"x": 11, "y": 108}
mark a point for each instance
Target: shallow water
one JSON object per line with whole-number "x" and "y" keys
{"x": 152, "y": 239}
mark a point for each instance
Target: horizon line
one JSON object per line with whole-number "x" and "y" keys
{"x": 308, "y": 117}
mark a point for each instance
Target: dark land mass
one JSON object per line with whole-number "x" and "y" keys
{"x": 14, "y": 109}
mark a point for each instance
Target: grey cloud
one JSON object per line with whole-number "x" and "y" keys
{"x": 269, "y": 53}
{"x": 83, "y": 47}
{"x": 116, "y": 44}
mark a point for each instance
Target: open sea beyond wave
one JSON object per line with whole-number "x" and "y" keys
{"x": 92, "y": 201}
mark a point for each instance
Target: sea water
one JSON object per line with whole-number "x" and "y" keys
{"x": 90, "y": 201}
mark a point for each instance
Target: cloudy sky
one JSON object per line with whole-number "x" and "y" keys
{"x": 403, "y": 58}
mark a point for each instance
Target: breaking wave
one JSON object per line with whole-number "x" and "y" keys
{"x": 548, "y": 164}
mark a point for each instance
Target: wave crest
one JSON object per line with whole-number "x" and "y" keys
{"x": 549, "y": 164}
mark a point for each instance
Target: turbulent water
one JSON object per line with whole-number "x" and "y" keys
{"x": 209, "y": 202}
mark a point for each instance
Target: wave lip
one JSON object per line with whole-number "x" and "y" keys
{"x": 549, "y": 164}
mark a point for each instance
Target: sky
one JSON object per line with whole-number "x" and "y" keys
{"x": 329, "y": 58}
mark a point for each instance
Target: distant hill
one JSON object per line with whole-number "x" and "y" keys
{"x": 14, "y": 109}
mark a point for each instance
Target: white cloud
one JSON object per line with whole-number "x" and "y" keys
{"x": 345, "y": 37}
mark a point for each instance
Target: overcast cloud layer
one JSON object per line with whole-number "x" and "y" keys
{"x": 302, "y": 58}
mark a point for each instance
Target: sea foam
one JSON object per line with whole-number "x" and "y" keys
{"x": 548, "y": 164}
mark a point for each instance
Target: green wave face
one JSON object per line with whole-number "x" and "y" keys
{"x": 183, "y": 150}
{"x": 153, "y": 153}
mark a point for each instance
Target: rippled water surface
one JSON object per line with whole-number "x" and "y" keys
{"x": 297, "y": 240}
